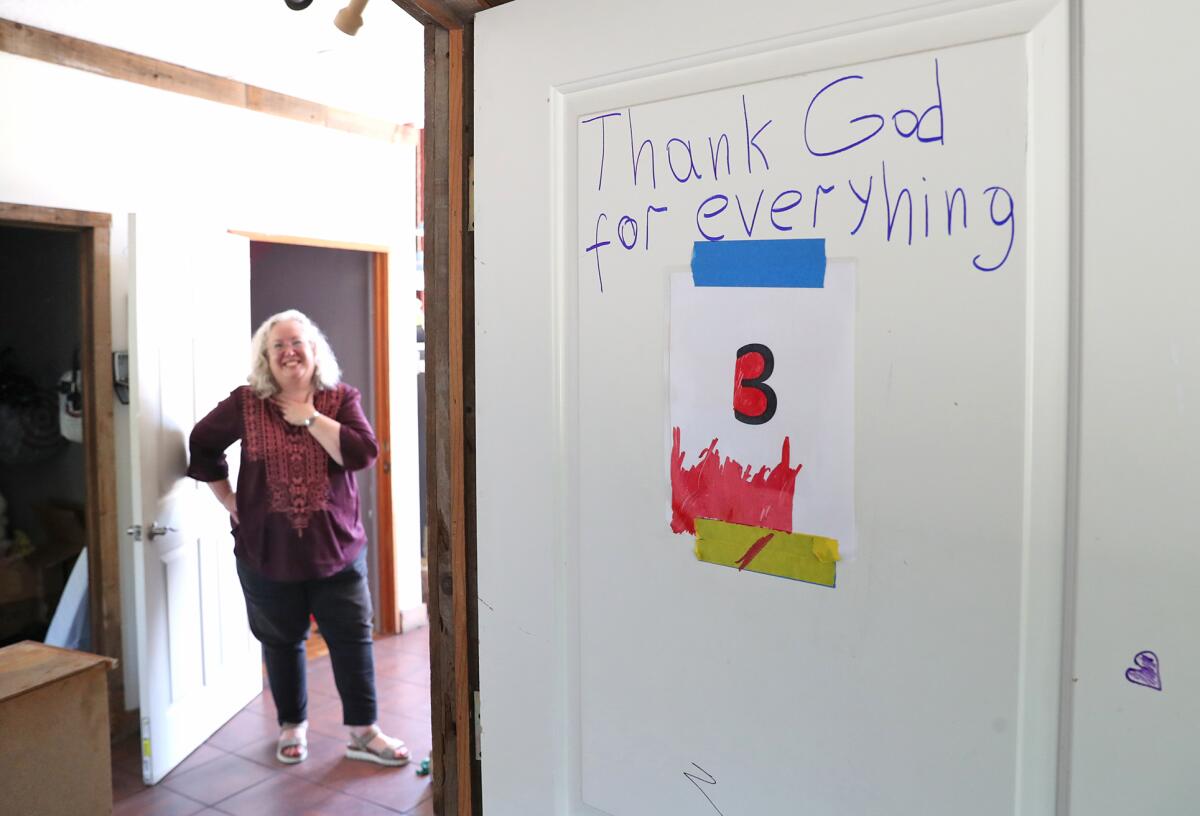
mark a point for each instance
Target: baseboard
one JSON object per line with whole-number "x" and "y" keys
{"x": 414, "y": 618}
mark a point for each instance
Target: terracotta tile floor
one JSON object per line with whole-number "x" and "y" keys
{"x": 236, "y": 773}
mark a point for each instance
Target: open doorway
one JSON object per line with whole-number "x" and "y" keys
{"x": 344, "y": 289}
{"x": 42, "y": 485}
{"x": 58, "y": 545}
{"x": 335, "y": 288}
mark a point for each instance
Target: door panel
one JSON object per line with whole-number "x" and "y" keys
{"x": 197, "y": 662}
{"x": 928, "y": 680}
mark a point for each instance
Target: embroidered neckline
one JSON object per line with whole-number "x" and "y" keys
{"x": 297, "y": 466}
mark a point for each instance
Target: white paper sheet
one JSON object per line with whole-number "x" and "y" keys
{"x": 810, "y": 333}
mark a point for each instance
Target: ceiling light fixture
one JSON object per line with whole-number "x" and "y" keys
{"x": 349, "y": 19}
{"x": 298, "y": 5}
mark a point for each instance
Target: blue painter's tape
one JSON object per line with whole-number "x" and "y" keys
{"x": 795, "y": 263}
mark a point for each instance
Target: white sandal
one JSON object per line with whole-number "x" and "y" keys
{"x": 299, "y": 740}
{"x": 394, "y": 753}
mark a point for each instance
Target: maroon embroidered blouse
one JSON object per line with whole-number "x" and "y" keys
{"x": 297, "y": 508}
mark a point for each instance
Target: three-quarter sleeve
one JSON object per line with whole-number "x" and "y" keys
{"x": 211, "y": 436}
{"x": 359, "y": 447}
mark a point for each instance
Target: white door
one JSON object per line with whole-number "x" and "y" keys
{"x": 1016, "y": 631}
{"x": 927, "y": 145}
{"x": 198, "y": 664}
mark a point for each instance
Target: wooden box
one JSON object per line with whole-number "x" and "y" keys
{"x": 54, "y": 739}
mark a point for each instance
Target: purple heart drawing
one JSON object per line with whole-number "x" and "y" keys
{"x": 1145, "y": 671}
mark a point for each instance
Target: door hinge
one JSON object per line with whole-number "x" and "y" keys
{"x": 478, "y": 729}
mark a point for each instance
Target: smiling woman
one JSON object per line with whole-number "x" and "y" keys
{"x": 298, "y": 537}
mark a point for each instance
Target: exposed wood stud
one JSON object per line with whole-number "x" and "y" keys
{"x": 437, "y": 374}
{"x": 470, "y": 606}
{"x": 450, "y": 378}
{"x": 458, "y": 530}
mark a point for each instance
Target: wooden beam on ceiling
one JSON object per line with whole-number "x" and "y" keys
{"x": 70, "y": 52}
{"x": 448, "y": 14}
{"x": 432, "y": 12}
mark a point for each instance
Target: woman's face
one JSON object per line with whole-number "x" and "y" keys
{"x": 290, "y": 354}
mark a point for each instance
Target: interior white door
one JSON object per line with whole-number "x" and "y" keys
{"x": 198, "y": 663}
{"x": 621, "y": 676}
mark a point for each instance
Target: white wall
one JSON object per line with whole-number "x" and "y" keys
{"x": 74, "y": 140}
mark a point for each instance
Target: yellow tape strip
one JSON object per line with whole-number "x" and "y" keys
{"x": 789, "y": 555}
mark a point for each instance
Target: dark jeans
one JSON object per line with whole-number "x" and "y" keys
{"x": 279, "y": 612}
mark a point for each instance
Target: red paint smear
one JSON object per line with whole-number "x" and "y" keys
{"x": 727, "y": 491}
{"x": 749, "y": 401}
{"x": 753, "y": 552}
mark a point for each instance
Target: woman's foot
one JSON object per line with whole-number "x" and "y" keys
{"x": 372, "y": 745}
{"x": 292, "y": 746}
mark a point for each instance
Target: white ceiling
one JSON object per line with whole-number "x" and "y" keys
{"x": 379, "y": 71}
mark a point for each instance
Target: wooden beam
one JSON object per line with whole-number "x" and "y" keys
{"x": 70, "y": 52}
{"x": 471, "y": 594}
{"x": 23, "y": 215}
{"x": 431, "y": 12}
{"x": 458, "y": 529}
{"x": 449, "y": 381}
{"x": 448, "y": 335}
{"x": 435, "y": 160}
{"x": 448, "y": 14}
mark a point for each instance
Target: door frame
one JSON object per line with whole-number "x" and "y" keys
{"x": 450, "y": 424}
{"x": 390, "y": 622}
{"x": 448, "y": 245}
{"x": 390, "y": 615}
{"x": 446, "y": 150}
{"x": 92, "y": 230}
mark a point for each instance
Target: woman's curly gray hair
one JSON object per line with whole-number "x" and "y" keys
{"x": 326, "y": 371}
